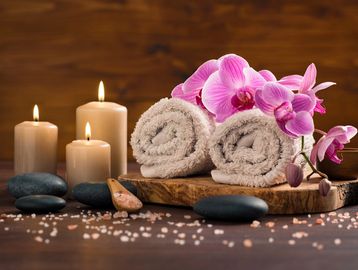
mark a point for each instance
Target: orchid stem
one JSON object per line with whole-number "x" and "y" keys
{"x": 314, "y": 170}
{"x": 320, "y": 131}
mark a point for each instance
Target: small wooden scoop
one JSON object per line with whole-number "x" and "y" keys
{"x": 122, "y": 199}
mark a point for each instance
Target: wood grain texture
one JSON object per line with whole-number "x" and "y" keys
{"x": 54, "y": 52}
{"x": 282, "y": 199}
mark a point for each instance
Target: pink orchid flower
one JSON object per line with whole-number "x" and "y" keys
{"x": 290, "y": 110}
{"x": 331, "y": 142}
{"x": 232, "y": 88}
{"x": 191, "y": 89}
{"x": 307, "y": 87}
{"x": 292, "y": 82}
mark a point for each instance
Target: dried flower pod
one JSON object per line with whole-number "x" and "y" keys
{"x": 294, "y": 174}
{"x": 324, "y": 186}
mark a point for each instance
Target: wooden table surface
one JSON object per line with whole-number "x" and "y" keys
{"x": 280, "y": 242}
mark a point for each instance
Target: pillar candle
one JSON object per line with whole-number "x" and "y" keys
{"x": 35, "y": 146}
{"x": 109, "y": 123}
{"x": 87, "y": 160}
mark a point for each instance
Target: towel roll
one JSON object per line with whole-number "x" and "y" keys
{"x": 249, "y": 149}
{"x": 171, "y": 139}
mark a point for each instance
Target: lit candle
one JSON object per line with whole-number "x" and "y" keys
{"x": 87, "y": 160}
{"x": 35, "y": 146}
{"x": 109, "y": 123}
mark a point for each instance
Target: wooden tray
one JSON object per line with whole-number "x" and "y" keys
{"x": 282, "y": 199}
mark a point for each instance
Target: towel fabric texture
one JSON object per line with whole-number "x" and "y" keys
{"x": 171, "y": 140}
{"x": 249, "y": 149}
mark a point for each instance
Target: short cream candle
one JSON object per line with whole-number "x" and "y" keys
{"x": 109, "y": 123}
{"x": 87, "y": 160}
{"x": 35, "y": 146}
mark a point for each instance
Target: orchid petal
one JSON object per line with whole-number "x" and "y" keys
{"x": 253, "y": 78}
{"x": 292, "y": 82}
{"x": 216, "y": 97}
{"x": 336, "y": 131}
{"x": 324, "y": 144}
{"x": 275, "y": 94}
{"x": 331, "y": 153}
{"x": 309, "y": 79}
{"x": 319, "y": 107}
{"x": 197, "y": 80}
{"x": 351, "y": 131}
{"x": 262, "y": 105}
{"x": 301, "y": 124}
{"x": 314, "y": 152}
{"x": 268, "y": 75}
{"x": 302, "y": 102}
{"x": 178, "y": 93}
{"x": 322, "y": 86}
{"x": 231, "y": 71}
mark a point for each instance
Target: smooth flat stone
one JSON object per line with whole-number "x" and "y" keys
{"x": 122, "y": 199}
{"x": 231, "y": 207}
{"x": 97, "y": 194}
{"x": 40, "y": 203}
{"x": 36, "y": 184}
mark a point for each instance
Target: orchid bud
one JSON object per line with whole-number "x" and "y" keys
{"x": 324, "y": 186}
{"x": 294, "y": 174}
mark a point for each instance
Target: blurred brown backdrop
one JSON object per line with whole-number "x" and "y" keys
{"x": 54, "y": 53}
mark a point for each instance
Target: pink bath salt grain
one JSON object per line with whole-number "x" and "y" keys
{"x": 319, "y": 221}
{"x": 337, "y": 241}
{"x": 247, "y": 243}
{"x": 72, "y": 227}
{"x": 255, "y": 224}
{"x": 299, "y": 235}
{"x": 270, "y": 224}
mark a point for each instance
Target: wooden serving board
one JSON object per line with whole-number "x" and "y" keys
{"x": 282, "y": 199}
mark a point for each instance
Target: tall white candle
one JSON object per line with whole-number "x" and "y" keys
{"x": 109, "y": 123}
{"x": 87, "y": 160}
{"x": 35, "y": 146}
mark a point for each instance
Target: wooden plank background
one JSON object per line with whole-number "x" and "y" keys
{"x": 54, "y": 52}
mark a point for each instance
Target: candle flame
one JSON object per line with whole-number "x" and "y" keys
{"x": 36, "y": 113}
{"x": 88, "y": 131}
{"x": 101, "y": 91}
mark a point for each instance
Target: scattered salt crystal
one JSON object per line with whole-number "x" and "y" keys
{"x": 181, "y": 235}
{"x": 86, "y": 236}
{"x": 196, "y": 242}
{"x": 218, "y": 231}
{"x": 95, "y": 236}
{"x": 291, "y": 242}
{"x": 38, "y": 239}
{"x": 299, "y": 235}
{"x": 146, "y": 235}
{"x": 47, "y": 241}
{"x": 271, "y": 240}
{"x": 199, "y": 230}
{"x": 231, "y": 244}
{"x": 164, "y": 230}
{"x": 187, "y": 216}
{"x": 54, "y": 232}
{"x": 124, "y": 238}
{"x": 175, "y": 231}
{"x": 247, "y": 243}
{"x": 210, "y": 225}
{"x": 285, "y": 227}
{"x": 6, "y": 229}
{"x": 270, "y": 224}
{"x": 319, "y": 221}
{"x": 337, "y": 241}
{"x": 255, "y": 224}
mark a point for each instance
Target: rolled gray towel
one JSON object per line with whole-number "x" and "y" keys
{"x": 171, "y": 140}
{"x": 249, "y": 149}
